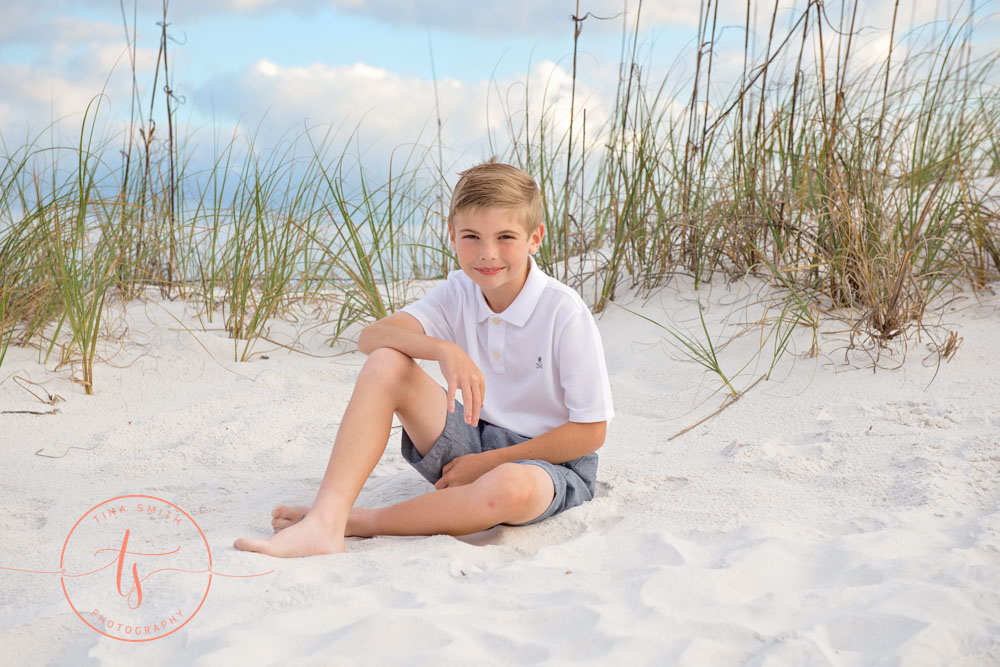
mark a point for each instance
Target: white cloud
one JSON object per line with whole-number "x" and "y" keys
{"x": 48, "y": 92}
{"x": 392, "y": 107}
{"x": 38, "y": 20}
{"x": 191, "y": 10}
{"x": 27, "y": 19}
{"x": 20, "y": 22}
{"x": 43, "y": 22}
{"x": 71, "y": 62}
{"x": 491, "y": 18}
{"x": 390, "y": 110}
{"x": 546, "y": 17}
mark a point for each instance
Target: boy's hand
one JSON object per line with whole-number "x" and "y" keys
{"x": 465, "y": 470}
{"x": 461, "y": 374}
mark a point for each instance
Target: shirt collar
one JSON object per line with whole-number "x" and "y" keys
{"x": 524, "y": 303}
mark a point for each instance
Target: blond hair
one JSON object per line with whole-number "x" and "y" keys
{"x": 497, "y": 185}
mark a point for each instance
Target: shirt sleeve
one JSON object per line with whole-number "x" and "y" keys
{"x": 583, "y": 372}
{"x": 432, "y": 311}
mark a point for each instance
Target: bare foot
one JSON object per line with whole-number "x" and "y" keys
{"x": 284, "y": 516}
{"x": 358, "y": 524}
{"x": 308, "y": 537}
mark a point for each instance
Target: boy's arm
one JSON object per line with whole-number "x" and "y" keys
{"x": 563, "y": 443}
{"x": 400, "y": 331}
{"x": 403, "y": 332}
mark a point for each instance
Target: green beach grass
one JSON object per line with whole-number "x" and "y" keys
{"x": 862, "y": 191}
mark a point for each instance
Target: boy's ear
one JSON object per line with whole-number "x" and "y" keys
{"x": 535, "y": 240}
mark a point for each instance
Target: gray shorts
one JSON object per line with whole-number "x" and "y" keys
{"x": 573, "y": 480}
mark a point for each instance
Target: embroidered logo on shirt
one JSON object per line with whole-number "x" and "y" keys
{"x": 538, "y": 364}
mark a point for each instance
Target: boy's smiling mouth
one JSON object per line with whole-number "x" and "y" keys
{"x": 491, "y": 271}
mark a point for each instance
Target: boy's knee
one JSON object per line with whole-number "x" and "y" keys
{"x": 505, "y": 488}
{"x": 388, "y": 365}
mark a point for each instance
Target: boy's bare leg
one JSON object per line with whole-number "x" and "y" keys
{"x": 389, "y": 383}
{"x": 511, "y": 493}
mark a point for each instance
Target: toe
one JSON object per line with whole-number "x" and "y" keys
{"x": 243, "y": 544}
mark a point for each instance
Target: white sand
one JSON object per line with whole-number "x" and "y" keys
{"x": 834, "y": 515}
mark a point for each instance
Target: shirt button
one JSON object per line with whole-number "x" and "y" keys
{"x": 496, "y": 355}
{"x": 496, "y": 320}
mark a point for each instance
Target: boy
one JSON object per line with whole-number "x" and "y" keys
{"x": 524, "y": 352}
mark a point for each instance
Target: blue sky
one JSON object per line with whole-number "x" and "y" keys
{"x": 343, "y": 62}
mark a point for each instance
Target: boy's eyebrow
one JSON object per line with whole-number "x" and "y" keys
{"x": 475, "y": 231}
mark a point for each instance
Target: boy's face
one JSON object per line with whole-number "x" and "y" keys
{"x": 493, "y": 247}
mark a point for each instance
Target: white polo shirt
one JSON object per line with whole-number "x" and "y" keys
{"x": 542, "y": 357}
